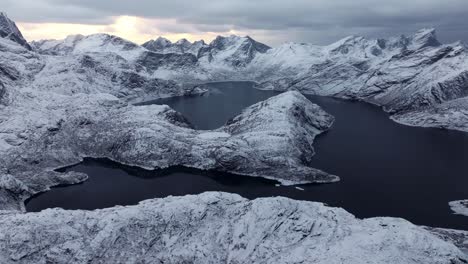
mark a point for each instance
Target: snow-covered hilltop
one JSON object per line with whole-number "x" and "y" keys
{"x": 218, "y": 228}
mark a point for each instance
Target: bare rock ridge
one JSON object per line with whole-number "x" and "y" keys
{"x": 217, "y": 228}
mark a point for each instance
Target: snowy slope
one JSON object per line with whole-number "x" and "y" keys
{"x": 218, "y": 228}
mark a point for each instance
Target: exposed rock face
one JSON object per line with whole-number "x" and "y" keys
{"x": 272, "y": 139}
{"x": 460, "y": 207}
{"x": 9, "y": 30}
{"x": 217, "y": 228}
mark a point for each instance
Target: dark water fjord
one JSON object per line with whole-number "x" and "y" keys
{"x": 386, "y": 169}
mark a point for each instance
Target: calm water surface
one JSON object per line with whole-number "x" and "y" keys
{"x": 386, "y": 169}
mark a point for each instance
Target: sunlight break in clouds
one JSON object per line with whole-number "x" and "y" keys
{"x": 133, "y": 28}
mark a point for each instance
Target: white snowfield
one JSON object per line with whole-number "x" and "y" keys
{"x": 61, "y": 101}
{"x": 217, "y": 228}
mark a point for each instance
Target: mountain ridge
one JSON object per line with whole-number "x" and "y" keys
{"x": 9, "y": 30}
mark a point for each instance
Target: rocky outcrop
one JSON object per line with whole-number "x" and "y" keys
{"x": 217, "y": 228}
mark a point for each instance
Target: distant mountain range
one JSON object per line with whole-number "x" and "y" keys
{"x": 406, "y": 74}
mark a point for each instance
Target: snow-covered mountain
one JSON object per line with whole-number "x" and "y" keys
{"x": 220, "y": 228}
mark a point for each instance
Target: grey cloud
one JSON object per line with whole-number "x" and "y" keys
{"x": 318, "y": 21}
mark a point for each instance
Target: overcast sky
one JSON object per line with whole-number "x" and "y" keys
{"x": 270, "y": 21}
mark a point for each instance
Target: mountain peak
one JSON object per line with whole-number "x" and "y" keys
{"x": 9, "y": 30}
